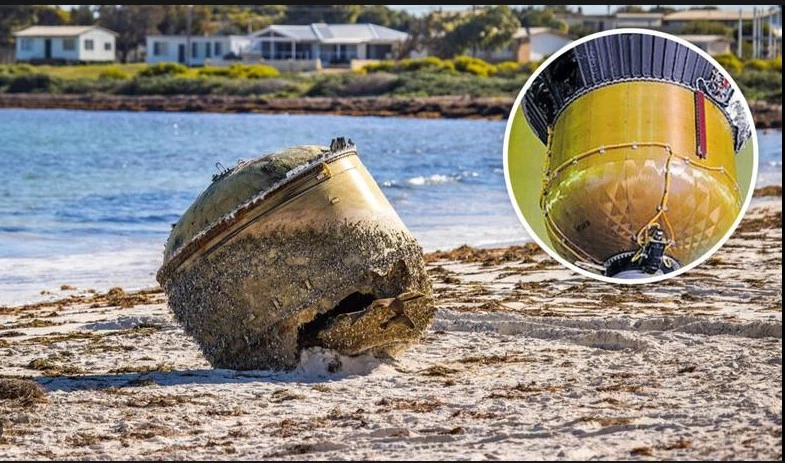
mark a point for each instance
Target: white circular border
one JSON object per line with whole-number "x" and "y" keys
{"x": 551, "y": 252}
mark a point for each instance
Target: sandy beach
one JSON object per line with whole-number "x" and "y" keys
{"x": 525, "y": 360}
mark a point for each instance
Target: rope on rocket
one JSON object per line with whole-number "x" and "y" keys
{"x": 648, "y": 237}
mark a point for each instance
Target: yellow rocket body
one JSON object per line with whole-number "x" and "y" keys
{"x": 635, "y": 154}
{"x": 642, "y": 133}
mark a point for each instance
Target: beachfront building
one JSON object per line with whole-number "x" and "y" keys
{"x": 527, "y": 44}
{"x": 321, "y": 45}
{"x": 604, "y": 22}
{"x": 711, "y": 44}
{"x": 675, "y": 22}
{"x": 197, "y": 50}
{"x": 65, "y": 44}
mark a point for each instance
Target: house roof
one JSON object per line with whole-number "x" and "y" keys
{"x": 704, "y": 38}
{"x": 524, "y": 32}
{"x": 58, "y": 31}
{"x": 709, "y": 15}
{"x": 198, "y": 37}
{"x": 639, "y": 15}
{"x": 338, "y": 33}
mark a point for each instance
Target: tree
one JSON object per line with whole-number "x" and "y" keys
{"x": 662, "y": 9}
{"x": 132, "y": 24}
{"x": 175, "y": 20}
{"x": 539, "y": 17}
{"x": 630, "y": 9}
{"x": 706, "y": 27}
{"x": 490, "y": 29}
{"x": 384, "y": 16}
{"x": 13, "y": 18}
{"x": 51, "y": 16}
{"x": 336, "y": 14}
{"x": 16, "y": 17}
{"x": 82, "y": 15}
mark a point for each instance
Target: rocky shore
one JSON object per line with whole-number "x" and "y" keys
{"x": 766, "y": 115}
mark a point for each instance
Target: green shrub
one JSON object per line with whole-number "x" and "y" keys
{"x": 474, "y": 66}
{"x": 271, "y": 86}
{"x": 730, "y": 62}
{"x": 29, "y": 83}
{"x": 508, "y": 68}
{"x": 381, "y": 66}
{"x": 86, "y": 85}
{"x": 354, "y": 85}
{"x": 759, "y": 85}
{"x": 439, "y": 84}
{"x": 113, "y": 73}
{"x": 241, "y": 71}
{"x": 166, "y": 85}
{"x": 213, "y": 71}
{"x": 15, "y": 69}
{"x": 257, "y": 71}
{"x": 430, "y": 63}
{"x": 163, "y": 69}
{"x": 776, "y": 64}
{"x": 757, "y": 65}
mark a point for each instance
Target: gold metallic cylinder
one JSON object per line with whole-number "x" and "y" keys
{"x": 634, "y": 153}
{"x": 294, "y": 250}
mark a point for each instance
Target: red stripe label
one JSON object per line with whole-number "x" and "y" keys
{"x": 700, "y": 124}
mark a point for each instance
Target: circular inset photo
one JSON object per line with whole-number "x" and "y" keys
{"x": 630, "y": 156}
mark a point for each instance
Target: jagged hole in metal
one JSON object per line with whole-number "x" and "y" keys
{"x": 309, "y": 332}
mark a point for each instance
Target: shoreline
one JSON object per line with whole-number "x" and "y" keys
{"x": 766, "y": 115}
{"x": 64, "y": 290}
{"x": 524, "y": 357}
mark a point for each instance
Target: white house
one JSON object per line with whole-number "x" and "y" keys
{"x": 532, "y": 44}
{"x": 527, "y": 44}
{"x": 65, "y": 44}
{"x": 535, "y": 43}
{"x": 211, "y": 49}
{"x": 329, "y": 44}
{"x": 711, "y": 44}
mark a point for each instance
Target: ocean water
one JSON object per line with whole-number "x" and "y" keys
{"x": 87, "y": 198}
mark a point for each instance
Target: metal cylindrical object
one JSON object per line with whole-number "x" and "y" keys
{"x": 642, "y": 134}
{"x": 296, "y": 249}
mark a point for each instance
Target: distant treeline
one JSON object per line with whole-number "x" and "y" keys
{"x": 443, "y": 34}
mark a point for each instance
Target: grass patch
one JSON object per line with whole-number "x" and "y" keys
{"x": 91, "y": 71}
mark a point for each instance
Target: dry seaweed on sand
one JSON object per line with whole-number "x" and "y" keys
{"x": 21, "y": 392}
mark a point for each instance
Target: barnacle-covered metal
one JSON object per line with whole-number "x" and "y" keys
{"x": 295, "y": 249}
{"x": 641, "y": 133}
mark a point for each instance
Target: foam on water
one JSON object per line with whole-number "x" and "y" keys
{"x": 87, "y": 198}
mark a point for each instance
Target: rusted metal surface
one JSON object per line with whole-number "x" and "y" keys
{"x": 293, "y": 250}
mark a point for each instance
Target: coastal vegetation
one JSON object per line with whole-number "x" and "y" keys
{"x": 431, "y": 76}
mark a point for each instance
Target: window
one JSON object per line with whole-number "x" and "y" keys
{"x": 194, "y": 50}
{"x": 208, "y": 52}
{"x": 89, "y": 45}
{"x": 69, "y": 44}
{"x": 26, "y": 44}
{"x": 217, "y": 49}
{"x": 159, "y": 48}
{"x": 108, "y": 46}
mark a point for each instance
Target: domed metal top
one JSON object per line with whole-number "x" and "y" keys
{"x": 245, "y": 185}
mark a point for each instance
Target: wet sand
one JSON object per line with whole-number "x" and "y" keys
{"x": 525, "y": 360}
